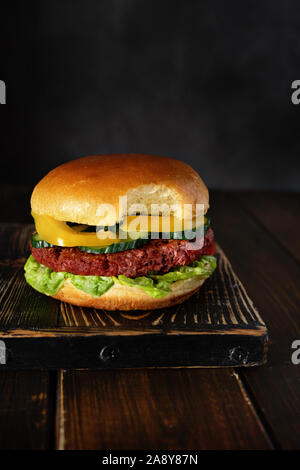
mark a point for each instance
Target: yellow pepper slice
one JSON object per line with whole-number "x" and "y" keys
{"x": 59, "y": 233}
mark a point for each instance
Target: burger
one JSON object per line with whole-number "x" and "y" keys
{"x": 121, "y": 232}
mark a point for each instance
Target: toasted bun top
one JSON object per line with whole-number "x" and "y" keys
{"x": 74, "y": 191}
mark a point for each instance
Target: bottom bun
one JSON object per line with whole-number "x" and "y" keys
{"x": 120, "y": 297}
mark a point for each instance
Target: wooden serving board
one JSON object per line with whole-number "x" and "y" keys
{"x": 217, "y": 327}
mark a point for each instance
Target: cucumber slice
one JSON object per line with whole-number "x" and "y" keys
{"x": 115, "y": 247}
{"x": 38, "y": 242}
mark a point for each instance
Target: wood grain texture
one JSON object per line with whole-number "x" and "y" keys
{"x": 277, "y": 394}
{"x": 156, "y": 409}
{"x": 271, "y": 276}
{"x": 25, "y": 410}
{"x": 279, "y": 214}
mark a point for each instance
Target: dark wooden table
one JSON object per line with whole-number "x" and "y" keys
{"x": 189, "y": 408}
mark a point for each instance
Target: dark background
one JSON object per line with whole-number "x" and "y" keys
{"x": 207, "y": 82}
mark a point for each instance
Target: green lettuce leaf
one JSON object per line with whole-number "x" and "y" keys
{"x": 145, "y": 283}
{"x": 49, "y": 282}
{"x": 93, "y": 285}
{"x": 43, "y": 279}
{"x": 204, "y": 267}
{"x": 159, "y": 285}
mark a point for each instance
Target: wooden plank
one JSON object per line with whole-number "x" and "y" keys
{"x": 278, "y": 213}
{"x": 20, "y": 306}
{"x": 277, "y": 391}
{"x": 26, "y": 397}
{"x": 156, "y": 409}
{"x": 270, "y": 275}
{"x": 25, "y": 410}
